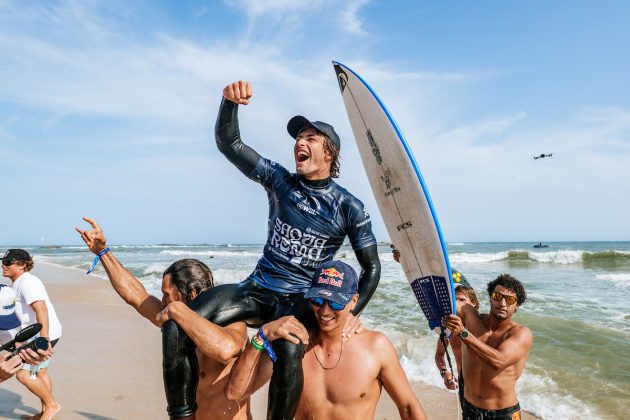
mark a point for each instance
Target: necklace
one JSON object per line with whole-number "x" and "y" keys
{"x": 336, "y": 364}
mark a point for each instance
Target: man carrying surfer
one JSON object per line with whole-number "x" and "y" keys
{"x": 182, "y": 283}
{"x": 309, "y": 217}
{"x": 494, "y": 351}
{"x": 343, "y": 378}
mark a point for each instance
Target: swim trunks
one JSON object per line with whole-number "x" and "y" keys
{"x": 470, "y": 412}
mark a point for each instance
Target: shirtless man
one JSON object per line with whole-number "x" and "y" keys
{"x": 217, "y": 347}
{"x": 494, "y": 351}
{"x": 310, "y": 216}
{"x": 342, "y": 377}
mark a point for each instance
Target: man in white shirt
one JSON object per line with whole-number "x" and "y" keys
{"x": 9, "y": 327}
{"x": 32, "y": 305}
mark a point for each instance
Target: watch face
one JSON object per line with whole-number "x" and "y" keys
{"x": 463, "y": 334}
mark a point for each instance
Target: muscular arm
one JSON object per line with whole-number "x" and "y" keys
{"x": 228, "y": 138}
{"x": 395, "y": 381}
{"x": 510, "y": 351}
{"x": 370, "y": 275}
{"x": 130, "y": 289}
{"x": 253, "y": 368}
{"x": 217, "y": 343}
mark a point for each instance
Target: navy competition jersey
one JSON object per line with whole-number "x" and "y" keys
{"x": 306, "y": 226}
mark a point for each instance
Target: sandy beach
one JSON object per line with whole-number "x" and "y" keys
{"x": 107, "y": 364}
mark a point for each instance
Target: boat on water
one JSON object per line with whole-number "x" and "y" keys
{"x": 541, "y": 245}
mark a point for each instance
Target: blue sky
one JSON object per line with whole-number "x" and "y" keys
{"x": 107, "y": 109}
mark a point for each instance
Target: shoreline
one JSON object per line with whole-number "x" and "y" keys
{"x": 108, "y": 363}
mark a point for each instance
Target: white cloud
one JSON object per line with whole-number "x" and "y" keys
{"x": 350, "y": 20}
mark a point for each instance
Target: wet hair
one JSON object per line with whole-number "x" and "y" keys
{"x": 190, "y": 275}
{"x": 470, "y": 294}
{"x": 331, "y": 149}
{"x": 511, "y": 284}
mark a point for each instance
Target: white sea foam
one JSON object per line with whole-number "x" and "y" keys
{"x": 621, "y": 280}
{"x": 223, "y": 276}
{"x": 478, "y": 257}
{"x": 558, "y": 257}
{"x": 539, "y": 395}
{"x": 456, "y": 243}
{"x": 236, "y": 254}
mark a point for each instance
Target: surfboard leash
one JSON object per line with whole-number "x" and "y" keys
{"x": 448, "y": 356}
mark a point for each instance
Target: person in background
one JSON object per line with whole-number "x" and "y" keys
{"x": 32, "y": 305}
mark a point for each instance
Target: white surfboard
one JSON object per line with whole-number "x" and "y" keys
{"x": 402, "y": 197}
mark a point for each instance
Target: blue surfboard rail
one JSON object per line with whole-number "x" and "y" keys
{"x": 425, "y": 190}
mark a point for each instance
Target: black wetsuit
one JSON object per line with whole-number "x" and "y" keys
{"x": 308, "y": 222}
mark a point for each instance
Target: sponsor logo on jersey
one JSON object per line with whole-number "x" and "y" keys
{"x": 306, "y": 208}
{"x": 292, "y": 242}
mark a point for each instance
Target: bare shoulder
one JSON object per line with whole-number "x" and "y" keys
{"x": 521, "y": 333}
{"x": 376, "y": 342}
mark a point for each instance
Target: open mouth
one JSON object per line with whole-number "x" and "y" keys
{"x": 301, "y": 156}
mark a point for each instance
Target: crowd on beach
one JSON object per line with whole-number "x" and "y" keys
{"x": 310, "y": 346}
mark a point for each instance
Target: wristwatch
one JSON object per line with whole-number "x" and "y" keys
{"x": 442, "y": 372}
{"x": 463, "y": 334}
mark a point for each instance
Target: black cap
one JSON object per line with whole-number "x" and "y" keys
{"x": 13, "y": 255}
{"x": 297, "y": 123}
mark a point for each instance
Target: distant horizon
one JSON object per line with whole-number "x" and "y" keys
{"x": 262, "y": 244}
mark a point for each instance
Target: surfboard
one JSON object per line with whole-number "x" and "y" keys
{"x": 402, "y": 197}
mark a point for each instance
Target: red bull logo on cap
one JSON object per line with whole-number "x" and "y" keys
{"x": 331, "y": 276}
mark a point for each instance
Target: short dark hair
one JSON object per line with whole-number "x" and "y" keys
{"x": 511, "y": 284}
{"x": 190, "y": 275}
{"x": 470, "y": 293}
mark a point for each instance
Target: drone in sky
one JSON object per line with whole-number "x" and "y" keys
{"x": 542, "y": 156}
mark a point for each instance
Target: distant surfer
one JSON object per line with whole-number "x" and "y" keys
{"x": 182, "y": 282}
{"x": 343, "y": 378}
{"x": 309, "y": 217}
{"x": 494, "y": 351}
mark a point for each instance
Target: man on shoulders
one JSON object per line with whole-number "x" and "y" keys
{"x": 182, "y": 282}
{"x": 309, "y": 217}
{"x": 342, "y": 377}
{"x": 494, "y": 351}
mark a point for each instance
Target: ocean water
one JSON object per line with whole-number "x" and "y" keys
{"x": 577, "y": 309}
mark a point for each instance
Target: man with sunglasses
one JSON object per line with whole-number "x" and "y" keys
{"x": 342, "y": 377}
{"x": 494, "y": 351}
{"x": 309, "y": 218}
